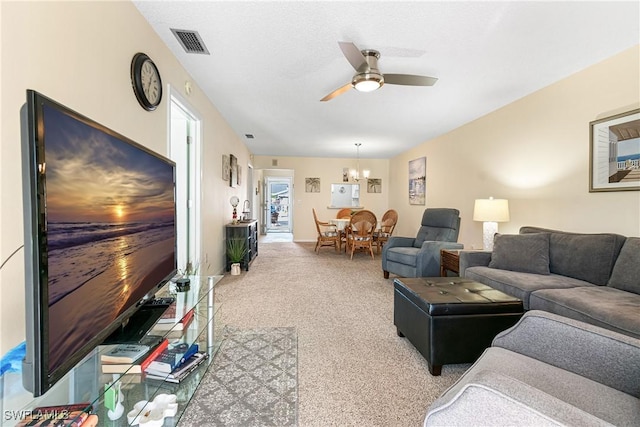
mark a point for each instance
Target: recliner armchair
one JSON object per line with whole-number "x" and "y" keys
{"x": 420, "y": 256}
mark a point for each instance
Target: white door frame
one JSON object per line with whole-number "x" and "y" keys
{"x": 268, "y": 181}
{"x": 185, "y": 148}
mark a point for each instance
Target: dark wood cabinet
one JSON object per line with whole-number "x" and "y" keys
{"x": 248, "y": 232}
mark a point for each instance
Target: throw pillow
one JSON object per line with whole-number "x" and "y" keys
{"x": 526, "y": 253}
{"x": 626, "y": 271}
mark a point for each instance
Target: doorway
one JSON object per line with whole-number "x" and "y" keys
{"x": 184, "y": 150}
{"x": 278, "y": 202}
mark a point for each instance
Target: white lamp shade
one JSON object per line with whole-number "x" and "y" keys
{"x": 494, "y": 210}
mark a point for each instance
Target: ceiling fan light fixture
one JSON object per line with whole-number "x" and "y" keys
{"x": 367, "y": 82}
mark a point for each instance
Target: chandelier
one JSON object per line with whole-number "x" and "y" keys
{"x": 355, "y": 174}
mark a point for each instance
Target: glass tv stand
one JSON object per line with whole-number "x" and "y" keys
{"x": 87, "y": 384}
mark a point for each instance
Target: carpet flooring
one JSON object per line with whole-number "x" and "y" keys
{"x": 353, "y": 369}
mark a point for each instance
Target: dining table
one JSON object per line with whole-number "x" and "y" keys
{"x": 341, "y": 224}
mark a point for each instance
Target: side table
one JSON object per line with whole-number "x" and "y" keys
{"x": 449, "y": 260}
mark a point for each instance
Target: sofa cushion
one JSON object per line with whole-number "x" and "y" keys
{"x": 602, "y": 306}
{"x": 626, "y": 271}
{"x": 588, "y": 257}
{"x": 527, "y": 253}
{"x": 520, "y": 285}
{"x": 406, "y": 255}
{"x": 541, "y": 387}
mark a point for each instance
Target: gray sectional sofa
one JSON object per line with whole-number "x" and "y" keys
{"x": 547, "y": 370}
{"x": 594, "y": 278}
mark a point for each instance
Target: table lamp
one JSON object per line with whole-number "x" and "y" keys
{"x": 234, "y": 200}
{"x": 490, "y": 211}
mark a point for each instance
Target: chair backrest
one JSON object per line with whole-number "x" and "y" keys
{"x": 363, "y": 223}
{"x": 315, "y": 219}
{"x": 344, "y": 213}
{"x": 438, "y": 224}
{"x": 389, "y": 221}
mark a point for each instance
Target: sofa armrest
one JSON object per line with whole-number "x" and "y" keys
{"x": 399, "y": 241}
{"x": 596, "y": 353}
{"x": 428, "y": 257}
{"x": 473, "y": 259}
{"x": 491, "y": 399}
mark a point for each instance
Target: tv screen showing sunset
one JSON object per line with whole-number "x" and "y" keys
{"x": 110, "y": 227}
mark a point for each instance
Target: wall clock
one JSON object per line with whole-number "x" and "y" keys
{"x": 146, "y": 81}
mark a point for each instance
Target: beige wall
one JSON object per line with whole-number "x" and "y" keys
{"x": 79, "y": 54}
{"x": 329, "y": 170}
{"x": 533, "y": 152}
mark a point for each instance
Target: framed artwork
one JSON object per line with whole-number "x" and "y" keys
{"x": 225, "y": 167}
{"x": 374, "y": 185}
{"x": 233, "y": 171}
{"x": 418, "y": 181}
{"x": 345, "y": 174}
{"x": 312, "y": 185}
{"x": 239, "y": 175}
{"x": 614, "y": 153}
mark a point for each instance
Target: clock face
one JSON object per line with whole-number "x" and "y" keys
{"x": 150, "y": 81}
{"x": 146, "y": 81}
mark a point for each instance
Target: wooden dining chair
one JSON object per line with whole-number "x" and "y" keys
{"x": 387, "y": 224}
{"x": 344, "y": 213}
{"x": 360, "y": 232}
{"x": 327, "y": 234}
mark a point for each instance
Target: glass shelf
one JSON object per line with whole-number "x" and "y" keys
{"x": 86, "y": 383}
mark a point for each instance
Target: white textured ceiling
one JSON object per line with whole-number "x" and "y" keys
{"x": 272, "y": 62}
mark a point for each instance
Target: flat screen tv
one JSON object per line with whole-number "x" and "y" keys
{"x": 100, "y": 235}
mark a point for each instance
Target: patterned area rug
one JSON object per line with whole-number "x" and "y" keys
{"x": 253, "y": 381}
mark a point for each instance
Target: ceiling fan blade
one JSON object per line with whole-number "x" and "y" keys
{"x": 337, "y": 92}
{"x": 354, "y": 56}
{"x": 409, "y": 80}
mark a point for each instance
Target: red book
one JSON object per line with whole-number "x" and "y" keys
{"x": 154, "y": 354}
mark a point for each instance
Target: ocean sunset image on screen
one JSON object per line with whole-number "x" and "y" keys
{"x": 110, "y": 228}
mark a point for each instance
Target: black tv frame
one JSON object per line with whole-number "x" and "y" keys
{"x": 36, "y": 377}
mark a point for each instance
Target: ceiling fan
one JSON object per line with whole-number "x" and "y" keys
{"x": 368, "y": 78}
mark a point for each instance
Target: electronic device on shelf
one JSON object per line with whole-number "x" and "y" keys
{"x": 100, "y": 235}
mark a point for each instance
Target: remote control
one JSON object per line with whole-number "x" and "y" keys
{"x": 160, "y": 302}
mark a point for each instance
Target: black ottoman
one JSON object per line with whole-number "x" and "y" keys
{"x": 451, "y": 319}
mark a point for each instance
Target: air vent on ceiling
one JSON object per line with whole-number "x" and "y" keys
{"x": 190, "y": 41}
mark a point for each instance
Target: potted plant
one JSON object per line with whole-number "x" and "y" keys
{"x": 236, "y": 250}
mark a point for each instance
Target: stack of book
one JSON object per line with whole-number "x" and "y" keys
{"x": 173, "y": 321}
{"x": 73, "y": 415}
{"x": 182, "y": 371}
{"x": 130, "y": 358}
{"x": 175, "y": 363}
{"x": 178, "y": 315}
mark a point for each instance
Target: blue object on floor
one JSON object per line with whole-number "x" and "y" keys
{"x": 12, "y": 361}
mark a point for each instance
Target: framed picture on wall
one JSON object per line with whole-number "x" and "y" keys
{"x": 614, "y": 153}
{"x": 225, "y": 167}
{"x": 312, "y": 185}
{"x": 233, "y": 171}
{"x": 418, "y": 181}
{"x": 374, "y": 185}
